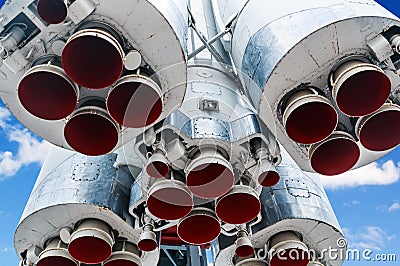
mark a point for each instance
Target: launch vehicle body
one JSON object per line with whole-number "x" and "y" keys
{"x": 183, "y": 129}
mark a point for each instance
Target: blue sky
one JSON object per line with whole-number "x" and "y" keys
{"x": 366, "y": 202}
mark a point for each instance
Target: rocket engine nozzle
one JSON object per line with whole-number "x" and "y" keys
{"x": 157, "y": 166}
{"x": 169, "y": 200}
{"x": 288, "y": 250}
{"x": 56, "y": 253}
{"x": 46, "y": 92}
{"x": 91, "y": 131}
{"x": 244, "y": 247}
{"x": 308, "y": 117}
{"x": 239, "y": 206}
{"x": 200, "y": 226}
{"x": 93, "y": 68}
{"x": 148, "y": 239}
{"x": 124, "y": 254}
{"x": 135, "y": 101}
{"x": 335, "y": 155}
{"x": 266, "y": 174}
{"x": 380, "y": 131}
{"x": 359, "y": 88}
{"x": 52, "y": 11}
{"x": 209, "y": 175}
{"x": 91, "y": 242}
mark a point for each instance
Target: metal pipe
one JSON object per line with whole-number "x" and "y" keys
{"x": 209, "y": 43}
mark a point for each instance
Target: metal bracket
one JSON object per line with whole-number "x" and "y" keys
{"x": 208, "y": 43}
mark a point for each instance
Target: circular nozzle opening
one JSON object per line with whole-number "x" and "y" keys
{"x": 335, "y": 155}
{"x": 169, "y": 200}
{"x": 52, "y": 11}
{"x": 359, "y": 88}
{"x": 199, "y": 227}
{"x": 56, "y": 253}
{"x": 269, "y": 178}
{"x": 309, "y": 118}
{"x": 124, "y": 254}
{"x": 209, "y": 175}
{"x": 239, "y": 206}
{"x": 244, "y": 247}
{"x": 46, "y": 92}
{"x": 288, "y": 250}
{"x": 135, "y": 101}
{"x": 91, "y": 131}
{"x": 91, "y": 243}
{"x": 148, "y": 240}
{"x": 381, "y": 130}
{"x": 157, "y": 166}
{"x": 267, "y": 174}
{"x": 244, "y": 251}
{"x": 93, "y": 68}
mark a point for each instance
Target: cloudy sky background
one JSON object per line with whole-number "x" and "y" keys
{"x": 366, "y": 201}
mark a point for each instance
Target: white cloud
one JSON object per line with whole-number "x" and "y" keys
{"x": 352, "y": 203}
{"x": 4, "y": 117}
{"x": 4, "y": 250}
{"x": 382, "y": 207}
{"x": 29, "y": 150}
{"x": 372, "y": 174}
{"x": 371, "y": 237}
{"x": 394, "y": 207}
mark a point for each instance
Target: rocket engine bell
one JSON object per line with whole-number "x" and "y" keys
{"x": 69, "y": 53}
{"x": 315, "y": 79}
{"x": 183, "y": 129}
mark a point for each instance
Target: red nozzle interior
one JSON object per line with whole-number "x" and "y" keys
{"x": 89, "y": 250}
{"x": 147, "y": 245}
{"x": 170, "y": 236}
{"x": 47, "y": 95}
{"x": 269, "y": 178}
{"x": 238, "y": 208}
{"x": 56, "y": 260}
{"x": 210, "y": 180}
{"x": 92, "y": 62}
{"x": 199, "y": 229}
{"x": 311, "y": 122}
{"x": 91, "y": 134}
{"x": 170, "y": 203}
{"x": 335, "y": 156}
{"x": 244, "y": 251}
{"x": 157, "y": 169}
{"x": 52, "y": 11}
{"x": 382, "y": 131}
{"x": 134, "y": 104}
{"x": 290, "y": 257}
{"x": 363, "y": 93}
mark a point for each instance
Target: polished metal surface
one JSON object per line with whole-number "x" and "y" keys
{"x": 139, "y": 25}
{"x": 297, "y": 203}
{"x": 224, "y": 74}
{"x": 72, "y": 187}
{"x": 296, "y": 196}
{"x": 274, "y": 55}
